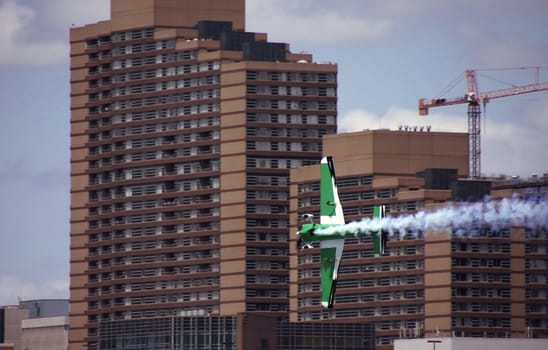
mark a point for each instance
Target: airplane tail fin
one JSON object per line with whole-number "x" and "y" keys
{"x": 380, "y": 237}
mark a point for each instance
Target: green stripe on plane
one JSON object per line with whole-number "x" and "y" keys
{"x": 327, "y": 269}
{"x": 327, "y": 190}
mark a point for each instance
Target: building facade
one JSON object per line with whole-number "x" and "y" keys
{"x": 241, "y": 331}
{"x": 389, "y": 290}
{"x": 10, "y": 326}
{"x": 183, "y": 131}
{"x": 45, "y": 333}
{"x": 481, "y": 283}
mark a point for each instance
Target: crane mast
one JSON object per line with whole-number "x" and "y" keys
{"x": 473, "y": 97}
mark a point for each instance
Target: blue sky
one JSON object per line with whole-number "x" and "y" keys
{"x": 390, "y": 53}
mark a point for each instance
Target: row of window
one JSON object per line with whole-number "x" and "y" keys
{"x": 155, "y": 59}
{"x": 536, "y": 263}
{"x": 134, "y": 219}
{"x": 365, "y": 297}
{"x": 266, "y": 236}
{"x": 162, "y": 86}
{"x": 289, "y": 105}
{"x": 293, "y": 76}
{"x": 150, "y": 101}
{"x": 278, "y": 251}
{"x": 121, "y": 36}
{"x": 536, "y": 249}
{"x": 264, "y": 195}
{"x": 291, "y": 90}
{"x": 267, "y": 279}
{"x": 374, "y": 266}
{"x": 150, "y": 313}
{"x": 172, "y": 215}
{"x": 480, "y": 262}
{"x": 156, "y": 299}
{"x": 150, "y": 258}
{"x": 155, "y": 188}
{"x": 276, "y": 163}
{"x": 361, "y": 283}
{"x": 250, "y": 306}
{"x": 481, "y": 277}
{"x": 283, "y": 146}
{"x": 146, "y": 129}
{"x": 267, "y": 209}
{"x": 267, "y": 265}
{"x": 475, "y": 247}
{"x": 291, "y": 118}
{"x": 481, "y": 307}
{"x": 142, "y": 47}
{"x": 145, "y": 231}
{"x": 136, "y": 246}
{"x": 267, "y": 293}
{"x": 267, "y": 180}
{"x": 286, "y": 132}
{"x": 481, "y": 292}
{"x": 481, "y": 322}
{"x": 153, "y": 171}
{"x": 341, "y": 183}
{"x": 162, "y": 73}
{"x": 152, "y": 272}
{"x": 271, "y": 223}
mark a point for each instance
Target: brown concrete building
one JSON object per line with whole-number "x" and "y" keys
{"x": 10, "y": 326}
{"x": 184, "y": 127}
{"x": 485, "y": 283}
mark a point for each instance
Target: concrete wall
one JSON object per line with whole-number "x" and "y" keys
{"x": 45, "y": 333}
{"x": 471, "y": 344}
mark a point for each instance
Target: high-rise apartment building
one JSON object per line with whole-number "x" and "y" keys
{"x": 484, "y": 282}
{"x": 184, "y": 128}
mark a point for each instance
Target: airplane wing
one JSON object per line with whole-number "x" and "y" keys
{"x": 379, "y": 238}
{"x": 331, "y": 250}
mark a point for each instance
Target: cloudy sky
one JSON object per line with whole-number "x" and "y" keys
{"x": 390, "y": 54}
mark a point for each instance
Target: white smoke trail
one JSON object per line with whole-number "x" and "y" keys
{"x": 459, "y": 218}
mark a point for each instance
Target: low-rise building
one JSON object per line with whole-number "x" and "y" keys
{"x": 45, "y": 333}
{"x": 461, "y": 343}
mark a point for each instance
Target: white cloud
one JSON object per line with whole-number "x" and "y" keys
{"x": 13, "y": 288}
{"x": 395, "y": 117}
{"x": 37, "y": 34}
{"x": 508, "y": 147}
{"x": 510, "y": 52}
{"x": 13, "y": 18}
{"x": 65, "y": 13}
{"x": 17, "y": 49}
{"x": 311, "y": 22}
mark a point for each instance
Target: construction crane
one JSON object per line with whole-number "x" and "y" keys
{"x": 473, "y": 97}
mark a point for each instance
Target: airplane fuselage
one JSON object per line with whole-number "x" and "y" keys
{"x": 308, "y": 232}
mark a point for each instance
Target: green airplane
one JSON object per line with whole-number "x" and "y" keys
{"x": 332, "y": 244}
